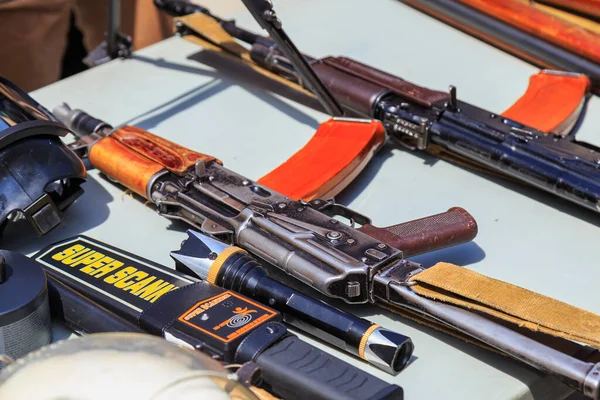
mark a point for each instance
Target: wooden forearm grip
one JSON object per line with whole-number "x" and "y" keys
{"x": 123, "y": 165}
{"x": 545, "y": 26}
{"x": 333, "y": 157}
{"x": 424, "y": 235}
{"x": 421, "y": 95}
{"x": 552, "y": 102}
{"x": 172, "y": 156}
{"x": 131, "y": 156}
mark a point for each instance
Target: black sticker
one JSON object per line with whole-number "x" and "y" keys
{"x": 226, "y": 316}
{"x": 123, "y": 277}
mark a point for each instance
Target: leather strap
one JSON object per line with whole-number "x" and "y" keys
{"x": 470, "y": 290}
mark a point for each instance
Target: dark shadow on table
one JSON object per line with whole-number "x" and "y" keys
{"x": 222, "y": 81}
{"x": 463, "y": 254}
{"x": 366, "y": 176}
{"x": 558, "y": 203}
{"x": 244, "y": 75}
{"x": 151, "y": 118}
{"x": 88, "y": 211}
{"x": 539, "y": 195}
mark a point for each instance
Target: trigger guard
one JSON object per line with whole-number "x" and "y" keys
{"x": 333, "y": 209}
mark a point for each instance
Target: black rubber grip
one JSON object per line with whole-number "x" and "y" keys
{"x": 81, "y": 314}
{"x": 297, "y": 370}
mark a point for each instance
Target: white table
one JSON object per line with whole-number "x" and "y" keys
{"x": 525, "y": 237}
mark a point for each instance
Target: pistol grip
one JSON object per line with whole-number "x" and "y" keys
{"x": 332, "y": 158}
{"x": 424, "y": 235}
{"x": 552, "y": 102}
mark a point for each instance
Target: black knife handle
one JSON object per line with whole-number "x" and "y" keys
{"x": 81, "y": 314}
{"x": 298, "y": 370}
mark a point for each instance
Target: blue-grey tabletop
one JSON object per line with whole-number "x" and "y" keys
{"x": 526, "y": 237}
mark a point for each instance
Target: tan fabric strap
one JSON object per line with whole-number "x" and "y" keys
{"x": 470, "y": 290}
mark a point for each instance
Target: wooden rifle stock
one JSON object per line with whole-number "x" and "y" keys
{"x": 586, "y": 7}
{"x": 534, "y": 42}
{"x": 132, "y": 156}
{"x": 545, "y": 26}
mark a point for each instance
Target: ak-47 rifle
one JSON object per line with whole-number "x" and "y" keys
{"x": 539, "y": 35}
{"x": 529, "y": 142}
{"x": 305, "y": 239}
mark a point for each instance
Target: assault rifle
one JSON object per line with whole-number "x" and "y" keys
{"x": 529, "y": 142}
{"x": 307, "y": 240}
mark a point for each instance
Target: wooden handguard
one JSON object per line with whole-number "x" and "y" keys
{"x": 424, "y": 235}
{"x": 334, "y": 156}
{"x": 420, "y": 95}
{"x": 172, "y": 156}
{"x": 552, "y": 102}
{"x": 132, "y": 156}
{"x": 123, "y": 165}
{"x": 545, "y": 26}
